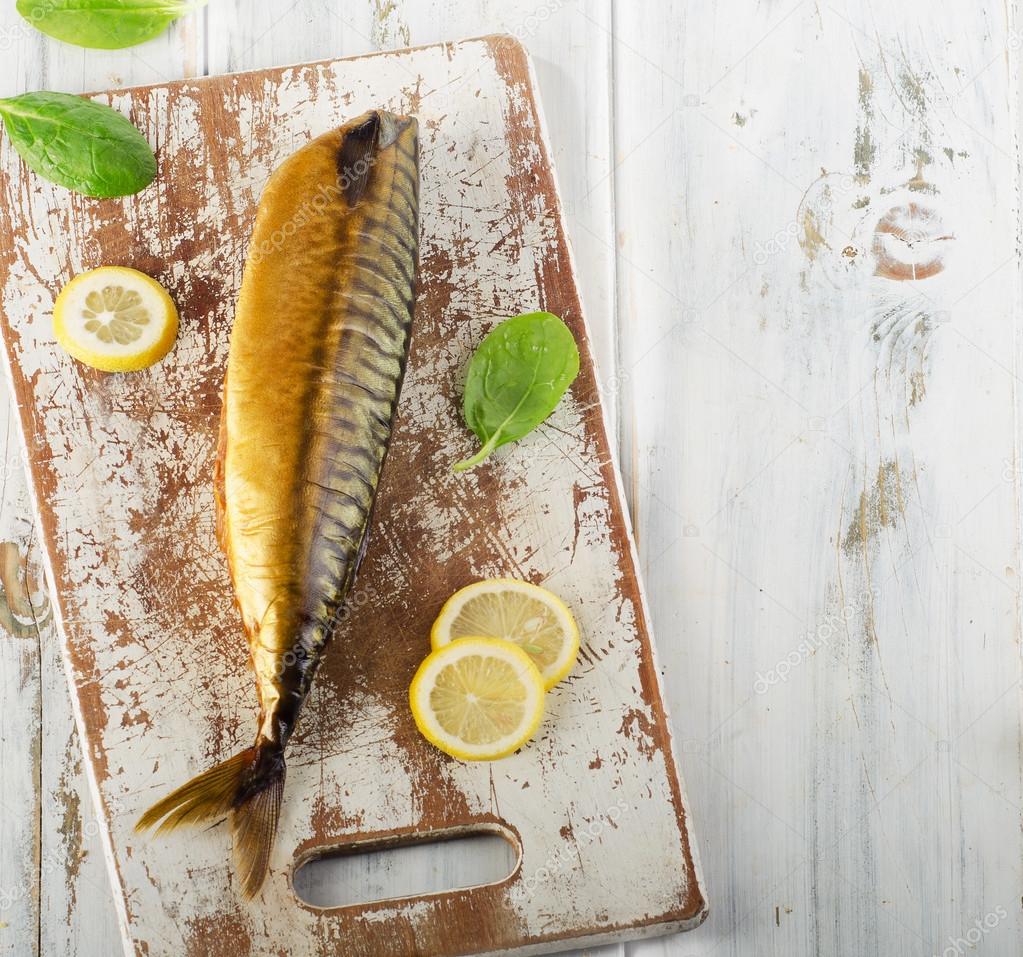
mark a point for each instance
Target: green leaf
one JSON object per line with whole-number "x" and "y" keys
{"x": 85, "y": 146}
{"x": 104, "y": 24}
{"x": 516, "y": 378}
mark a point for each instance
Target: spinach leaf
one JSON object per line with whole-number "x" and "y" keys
{"x": 104, "y": 24}
{"x": 516, "y": 378}
{"x": 85, "y": 146}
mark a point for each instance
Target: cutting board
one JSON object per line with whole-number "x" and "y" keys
{"x": 122, "y": 472}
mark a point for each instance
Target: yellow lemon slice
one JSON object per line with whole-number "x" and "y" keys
{"x": 524, "y": 614}
{"x": 115, "y": 319}
{"x": 478, "y": 699}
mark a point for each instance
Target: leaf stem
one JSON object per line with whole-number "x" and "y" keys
{"x": 467, "y": 464}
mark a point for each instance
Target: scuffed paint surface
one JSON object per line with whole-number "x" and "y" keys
{"x": 123, "y": 468}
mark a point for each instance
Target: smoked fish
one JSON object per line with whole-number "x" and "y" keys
{"x": 317, "y": 357}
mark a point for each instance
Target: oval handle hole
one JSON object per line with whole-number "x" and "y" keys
{"x": 410, "y": 866}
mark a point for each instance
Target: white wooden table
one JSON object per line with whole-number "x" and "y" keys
{"x": 796, "y": 225}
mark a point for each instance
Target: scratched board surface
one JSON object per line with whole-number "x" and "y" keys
{"x": 122, "y": 470}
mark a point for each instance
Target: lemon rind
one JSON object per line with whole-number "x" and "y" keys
{"x": 444, "y": 744}
{"x": 143, "y": 360}
{"x": 453, "y": 605}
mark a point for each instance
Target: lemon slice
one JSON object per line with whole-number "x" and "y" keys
{"x": 527, "y": 615}
{"x": 477, "y": 699}
{"x": 115, "y": 319}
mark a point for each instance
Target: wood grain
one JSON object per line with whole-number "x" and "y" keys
{"x": 126, "y": 500}
{"x": 20, "y": 684}
{"x": 821, "y": 442}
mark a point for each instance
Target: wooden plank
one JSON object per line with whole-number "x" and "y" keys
{"x": 78, "y": 915}
{"x": 649, "y": 877}
{"x": 67, "y": 873}
{"x": 821, "y": 444}
{"x": 20, "y": 717}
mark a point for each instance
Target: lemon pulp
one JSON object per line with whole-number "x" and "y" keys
{"x": 115, "y": 319}
{"x": 477, "y": 699}
{"x": 528, "y": 616}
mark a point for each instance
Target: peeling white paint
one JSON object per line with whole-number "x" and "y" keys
{"x": 141, "y": 636}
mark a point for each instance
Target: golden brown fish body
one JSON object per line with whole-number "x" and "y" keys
{"x": 317, "y": 356}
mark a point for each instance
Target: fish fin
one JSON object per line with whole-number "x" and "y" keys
{"x": 247, "y": 788}
{"x": 253, "y": 829}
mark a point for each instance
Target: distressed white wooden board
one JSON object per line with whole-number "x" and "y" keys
{"x": 20, "y": 715}
{"x": 572, "y": 53}
{"x": 830, "y": 519}
{"x": 60, "y": 881}
{"x": 651, "y": 887}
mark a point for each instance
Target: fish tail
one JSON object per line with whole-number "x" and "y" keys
{"x": 246, "y": 788}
